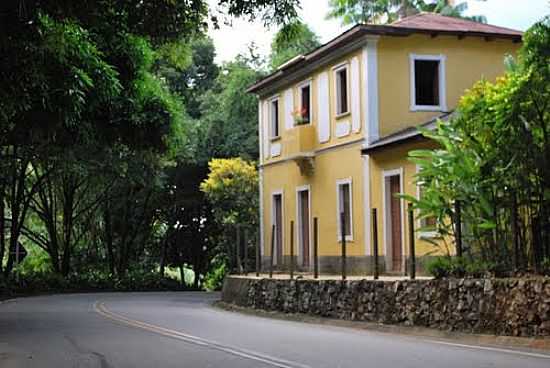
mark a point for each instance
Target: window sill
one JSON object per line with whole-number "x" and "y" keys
{"x": 275, "y": 139}
{"x": 429, "y": 235}
{"x": 349, "y": 239}
{"x": 342, "y": 115}
{"x": 437, "y": 108}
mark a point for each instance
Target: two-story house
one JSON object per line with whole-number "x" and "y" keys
{"x": 336, "y": 126}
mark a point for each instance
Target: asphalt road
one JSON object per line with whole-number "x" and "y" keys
{"x": 164, "y": 330}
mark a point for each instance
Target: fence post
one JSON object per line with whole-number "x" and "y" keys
{"x": 515, "y": 234}
{"x": 291, "y": 250}
{"x": 375, "y": 242}
{"x": 315, "y": 248}
{"x": 272, "y": 251}
{"x": 258, "y": 254}
{"x": 343, "y": 233}
{"x": 458, "y": 228}
{"x": 412, "y": 254}
{"x": 238, "y": 250}
{"x": 245, "y": 264}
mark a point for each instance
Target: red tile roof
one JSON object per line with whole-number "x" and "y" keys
{"x": 437, "y": 22}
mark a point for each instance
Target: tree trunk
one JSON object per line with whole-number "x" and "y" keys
{"x": 109, "y": 238}
{"x": 2, "y": 228}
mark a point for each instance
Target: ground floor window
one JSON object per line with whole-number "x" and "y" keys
{"x": 344, "y": 205}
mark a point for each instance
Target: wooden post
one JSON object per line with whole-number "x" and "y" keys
{"x": 412, "y": 252}
{"x": 291, "y": 250}
{"x": 515, "y": 235}
{"x": 375, "y": 243}
{"x": 245, "y": 264}
{"x": 458, "y": 228}
{"x": 315, "y": 248}
{"x": 343, "y": 233}
{"x": 238, "y": 250}
{"x": 258, "y": 254}
{"x": 272, "y": 251}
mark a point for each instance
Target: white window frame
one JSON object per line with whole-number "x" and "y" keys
{"x": 418, "y": 222}
{"x": 442, "y": 83}
{"x": 339, "y": 183}
{"x": 275, "y": 254}
{"x": 299, "y": 234}
{"x": 337, "y": 69}
{"x": 307, "y": 83}
{"x": 271, "y": 122}
{"x": 385, "y": 215}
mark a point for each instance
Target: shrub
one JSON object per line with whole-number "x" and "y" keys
{"x": 440, "y": 267}
{"x": 214, "y": 278}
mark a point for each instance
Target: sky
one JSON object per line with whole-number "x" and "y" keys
{"x": 234, "y": 39}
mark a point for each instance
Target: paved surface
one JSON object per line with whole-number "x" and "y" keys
{"x": 164, "y": 330}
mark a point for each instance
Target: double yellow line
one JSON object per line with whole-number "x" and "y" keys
{"x": 100, "y": 308}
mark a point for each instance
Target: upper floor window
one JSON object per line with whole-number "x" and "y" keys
{"x": 305, "y": 103}
{"x": 274, "y": 118}
{"x": 427, "y": 82}
{"x": 341, "y": 79}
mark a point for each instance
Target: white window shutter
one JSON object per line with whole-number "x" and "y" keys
{"x": 266, "y": 128}
{"x": 289, "y": 108}
{"x": 323, "y": 107}
{"x": 355, "y": 98}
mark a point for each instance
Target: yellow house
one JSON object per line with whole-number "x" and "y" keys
{"x": 336, "y": 126}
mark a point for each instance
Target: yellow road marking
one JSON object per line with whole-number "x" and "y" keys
{"x": 100, "y": 308}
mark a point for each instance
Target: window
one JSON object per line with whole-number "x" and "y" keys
{"x": 428, "y": 82}
{"x": 305, "y": 103}
{"x": 274, "y": 118}
{"x": 344, "y": 206}
{"x": 428, "y": 225}
{"x": 342, "y": 91}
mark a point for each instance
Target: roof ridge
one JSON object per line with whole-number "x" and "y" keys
{"x": 409, "y": 17}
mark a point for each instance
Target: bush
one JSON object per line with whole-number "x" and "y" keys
{"x": 214, "y": 278}
{"x": 442, "y": 267}
{"x": 92, "y": 280}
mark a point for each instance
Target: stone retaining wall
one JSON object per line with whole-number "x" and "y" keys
{"x": 515, "y": 307}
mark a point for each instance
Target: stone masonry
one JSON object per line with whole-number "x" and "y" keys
{"x": 514, "y": 307}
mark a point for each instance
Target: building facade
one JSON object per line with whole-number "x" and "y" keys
{"x": 336, "y": 126}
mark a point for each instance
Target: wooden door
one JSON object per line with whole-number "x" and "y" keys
{"x": 304, "y": 226}
{"x": 277, "y": 202}
{"x": 395, "y": 215}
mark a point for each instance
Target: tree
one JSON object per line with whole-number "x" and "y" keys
{"x": 291, "y": 40}
{"x": 387, "y": 11}
{"x": 494, "y": 159}
{"x": 78, "y": 78}
{"x": 229, "y": 123}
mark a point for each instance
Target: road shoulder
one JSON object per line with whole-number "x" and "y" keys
{"x": 535, "y": 344}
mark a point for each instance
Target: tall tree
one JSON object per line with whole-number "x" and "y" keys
{"x": 291, "y": 40}
{"x": 387, "y": 11}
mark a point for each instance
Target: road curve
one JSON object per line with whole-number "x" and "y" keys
{"x": 164, "y": 330}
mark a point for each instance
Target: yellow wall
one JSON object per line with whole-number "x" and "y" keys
{"x": 285, "y": 134}
{"x": 285, "y": 176}
{"x": 396, "y": 159}
{"x": 467, "y": 61}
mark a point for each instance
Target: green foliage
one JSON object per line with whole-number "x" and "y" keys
{"x": 293, "y": 39}
{"x": 442, "y": 267}
{"x": 229, "y": 116}
{"x": 48, "y": 282}
{"x": 388, "y": 11}
{"x": 232, "y": 188}
{"x": 494, "y": 158}
{"x": 213, "y": 280}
